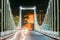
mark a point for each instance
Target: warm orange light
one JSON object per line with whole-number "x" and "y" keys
{"x": 28, "y": 26}
{"x": 31, "y": 18}
{"x": 30, "y": 22}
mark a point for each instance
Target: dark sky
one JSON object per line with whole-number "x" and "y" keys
{"x": 40, "y": 4}
{"x": 0, "y": 3}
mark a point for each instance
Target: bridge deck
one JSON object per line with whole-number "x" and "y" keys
{"x": 31, "y": 35}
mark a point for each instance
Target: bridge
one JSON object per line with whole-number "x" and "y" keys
{"x": 33, "y": 22}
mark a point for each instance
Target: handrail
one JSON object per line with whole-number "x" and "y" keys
{"x": 53, "y": 37}
{"x": 7, "y": 36}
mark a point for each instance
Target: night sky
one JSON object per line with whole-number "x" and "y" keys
{"x": 40, "y": 4}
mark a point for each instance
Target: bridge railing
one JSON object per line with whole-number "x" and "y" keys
{"x": 50, "y": 24}
{"x": 8, "y": 22}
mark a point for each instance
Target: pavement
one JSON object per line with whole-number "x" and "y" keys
{"x": 30, "y": 35}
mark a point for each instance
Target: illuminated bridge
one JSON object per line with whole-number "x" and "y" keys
{"x": 29, "y": 20}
